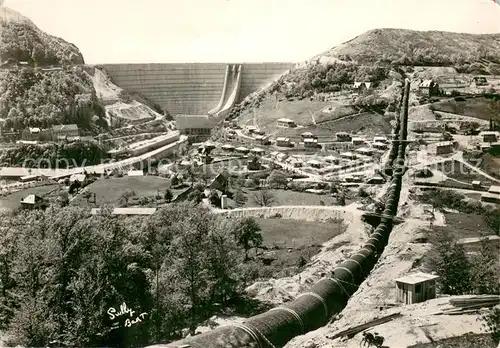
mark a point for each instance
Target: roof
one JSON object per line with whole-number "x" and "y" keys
{"x": 34, "y": 130}
{"x": 313, "y": 162}
{"x": 357, "y": 84}
{"x": 364, "y": 149}
{"x": 282, "y": 139}
{"x": 256, "y": 149}
{"x": 444, "y": 143}
{"x": 310, "y": 140}
{"x": 65, "y": 128}
{"x": 260, "y": 137}
{"x": 31, "y": 199}
{"x": 494, "y": 189}
{"x": 251, "y": 127}
{"x": 347, "y": 154}
{"x": 379, "y": 138}
{"x": 488, "y": 133}
{"x": 307, "y": 134}
{"x": 194, "y": 121}
{"x": 135, "y": 173}
{"x": 331, "y": 158}
{"x": 241, "y": 148}
{"x": 287, "y": 120}
{"x": 416, "y": 278}
{"x": 476, "y": 182}
{"x": 79, "y": 177}
{"x": 426, "y": 84}
{"x": 227, "y": 146}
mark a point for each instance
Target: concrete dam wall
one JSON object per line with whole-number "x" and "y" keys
{"x": 191, "y": 88}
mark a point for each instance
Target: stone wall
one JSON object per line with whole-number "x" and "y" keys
{"x": 191, "y": 88}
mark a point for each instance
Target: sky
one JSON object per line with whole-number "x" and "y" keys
{"x": 176, "y": 31}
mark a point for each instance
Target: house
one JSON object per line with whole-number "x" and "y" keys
{"x": 198, "y": 127}
{"x": 284, "y": 142}
{"x": 358, "y": 141}
{"x": 476, "y": 184}
{"x": 257, "y": 151}
{"x": 488, "y": 137}
{"x": 64, "y": 131}
{"x": 383, "y": 140}
{"x": 490, "y": 197}
{"x": 308, "y": 135}
{"x": 242, "y": 149}
{"x": 310, "y": 143}
{"x": 348, "y": 155}
{"x": 135, "y": 173}
{"x": 494, "y": 190}
{"x": 360, "y": 86}
{"x": 478, "y": 81}
{"x": 442, "y": 148}
{"x": 219, "y": 183}
{"x": 294, "y": 162}
{"x": 428, "y": 88}
{"x": 228, "y": 147}
{"x": 315, "y": 164}
{"x": 415, "y": 288}
{"x": 285, "y": 123}
{"x": 33, "y": 202}
{"x": 365, "y": 151}
{"x": 251, "y": 129}
{"x": 262, "y": 139}
{"x": 281, "y": 157}
{"x": 342, "y": 136}
{"x": 380, "y": 146}
{"x": 253, "y": 164}
{"x": 332, "y": 159}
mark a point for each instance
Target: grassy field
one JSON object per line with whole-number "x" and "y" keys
{"x": 476, "y": 107}
{"x": 461, "y": 225}
{"x": 288, "y": 197}
{"x": 365, "y": 123}
{"x": 109, "y": 191}
{"x": 290, "y": 244}
{"x": 489, "y": 164}
{"x": 13, "y": 201}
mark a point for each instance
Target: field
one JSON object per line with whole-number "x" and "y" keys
{"x": 474, "y": 107}
{"x": 109, "y": 191}
{"x": 365, "y": 123}
{"x": 461, "y": 225}
{"x": 13, "y": 201}
{"x": 288, "y": 197}
{"x": 290, "y": 244}
{"x": 458, "y": 171}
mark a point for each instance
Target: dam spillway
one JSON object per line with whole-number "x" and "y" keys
{"x": 191, "y": 88}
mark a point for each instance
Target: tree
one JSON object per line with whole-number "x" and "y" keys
{"x": 263, "y": 198}
{"x": 125, "y": 197}
{"x": 449, "y": 261}
{"x": 87, "y": 195}
{"x": 485, "y": 270}
{"x": 248, "y": 234}
{"x": 168, "y": 196}
{"x": 196, "y": 196}
{"x": 63, "y": 198}
{"x": 239, "y": 198}
{"x": 277, "y": 179}
{"x": 491, "y": 320}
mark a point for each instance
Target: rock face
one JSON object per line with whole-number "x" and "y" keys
{"x": 22, "y": 41}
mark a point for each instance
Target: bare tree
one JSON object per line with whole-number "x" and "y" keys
{"x": 263, "y": 198}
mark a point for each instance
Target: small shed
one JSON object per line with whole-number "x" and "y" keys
{"x": 135, "y": 173}
{"x": 415, "y": 288}
{"x": 33, "y": 202}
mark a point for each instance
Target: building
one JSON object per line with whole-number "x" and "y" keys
{"x": 65, "y": 131}
{"x": 476, "y": 184}
{"x": 242, "y": 149}
{"x": 428, "y": 88}
{"x": 262, "y": 139}
{"x": 197, "y": 127}
{"x": 315, "y": 164}
{"x": 361, "y": 86}
{"x": 358, "y": 141}
{"x": 284, "y": 142}
{"x": 488, "y": 197}
{"x": 310, "y": 143}
{"x": 380, "y": 146}
{"x": 33, "y": 202}
{"x": 294, "y": 162}
{"x": 494, "y": 189}
{"x": 442, "y": 148}
{"x": 488, "y": 137}
{"x": 475, "y": 244}
{"x": 228, "y": 147}
{"x": 253, "y": 164}
{"x": 383, "y": 140}
{"x": 219, "y": 183}
{"x": 251, "y": 129}
{"x": 285, "y": 123}
{"x": 343, "y": 137}
{"x": 415, "y": 288}
{"x": 257, "y": 151}
{"x": 135, "y": 173}
{"x": 479, "y": 81}
{"x": 332, "y": 159}
{"x": 348, "y": 155}
{"x": 365, "y": 151}
{"x": 308, "y": 135}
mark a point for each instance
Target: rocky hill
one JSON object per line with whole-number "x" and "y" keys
{"x": 411, "y": 47}
{"x": 43, "y": 82}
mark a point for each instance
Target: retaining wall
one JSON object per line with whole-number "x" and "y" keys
{"x": 192, "y": 88}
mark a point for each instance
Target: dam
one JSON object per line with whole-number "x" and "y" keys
{"x": 195, "y": 88}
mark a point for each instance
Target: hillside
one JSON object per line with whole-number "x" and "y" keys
{"x": 48, "y": 75}
{"x": 22, "y": 41}
{"x": 411, "y": 47}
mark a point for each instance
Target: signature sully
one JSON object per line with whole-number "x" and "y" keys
{"x": 125, "y": 311}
